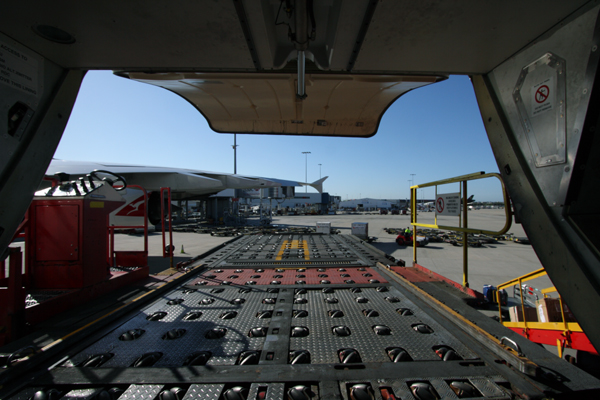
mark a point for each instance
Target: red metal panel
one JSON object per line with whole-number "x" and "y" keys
{"x": 94, "y": 266}
{"x": 131, "y": 258}
{"x": 290, "y": 276}
{"x": 55, "y": 244}
{"x": 579, "y": 341}
{"x": 57, "y": 232}
{"x": 12, "y": 299}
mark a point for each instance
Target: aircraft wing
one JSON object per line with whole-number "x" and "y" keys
{"x": 183, "y": 182}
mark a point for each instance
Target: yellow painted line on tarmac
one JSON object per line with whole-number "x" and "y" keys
{"x": 281, "y": 249}
{"x": 293, "y": 245}
{"x": 306, "y": 251}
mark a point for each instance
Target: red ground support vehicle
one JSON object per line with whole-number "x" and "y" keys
{"x": 407, "y": 240}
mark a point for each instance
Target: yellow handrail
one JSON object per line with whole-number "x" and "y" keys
{"x": 464, "y": 178}
{"x": 464, "y": 228}
{"x": 567, "y": 327}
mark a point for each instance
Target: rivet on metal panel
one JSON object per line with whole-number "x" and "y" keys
{"x": 264, "y": 314}
{"x": 197, "y": 358}
{"x": 228, "y": 315}
{"x": 147, "y": 360}
{"x": 173, "y": 334}
{"x": 422, "y": 328}
{"x": 156, "y": 316}
{"x": 132, "y": 334}
{"x": 348, "y": 356}
{"x": 382, "y": 330}
{"x": 248, "y": 358}
{"x": 215, "y": 333}
{"x": 464, "y": 389}
{"x": 258, "y": 332}
{"x": 96, "y": 360}
{"x": 300, "y": 314}
{"x": 398, "y": 354}
{"x": 370, "y": 313}
{"x": 423, "y": 390}
{"x": 446, "y": 353}
{"x": 361, "y": 391}
{"x": 300, "y": 392}
{"x": 236, "y": 393}
{"x": 299, "y": 331}
{"x": 341, "y": 330}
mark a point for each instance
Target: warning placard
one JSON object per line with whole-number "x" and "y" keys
{"x": 447, "y": 204}
{"x": 542, "y": 97}
{"x": 18, "y": 70}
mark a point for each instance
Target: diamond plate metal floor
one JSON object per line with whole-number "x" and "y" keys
{"x": 281, "y": 317}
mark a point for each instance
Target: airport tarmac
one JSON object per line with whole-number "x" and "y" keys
{"x": 490, "y": 264}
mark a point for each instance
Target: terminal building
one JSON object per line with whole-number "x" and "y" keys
{"x": 368, "y": 204}
{"x": 277, "y": 200}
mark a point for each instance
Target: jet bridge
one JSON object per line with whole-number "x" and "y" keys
{"x": 298, "y": 316}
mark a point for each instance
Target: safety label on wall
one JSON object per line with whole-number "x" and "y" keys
{"x": 542, "y": 97}
{"x": 447, "y": 204}
{"x": 18, "y": 70}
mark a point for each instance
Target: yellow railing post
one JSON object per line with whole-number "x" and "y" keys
{"x": 522, "y": 308}
{"x": 465, "y": 239}
{"x": 413, "y": 217}
{"x": 566, "y": 327}
{"x": 499, "y": 301}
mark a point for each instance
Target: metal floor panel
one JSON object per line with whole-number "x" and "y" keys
{"x": 328, "y": 267}
{"x": 203, "y": 392}
{"x": 224, "y": 350}
{"x": 486, "y": 387}
{"x": 324, "y": 345}
{"x": 309, "y": 274}
{"x": 291, "y": 250}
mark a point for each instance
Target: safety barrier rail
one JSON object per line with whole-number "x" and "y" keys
{"x": 464, "y": 225}
{"x": 129, "y": 258}
{"x": 563, "y": 334}
{"x": 169, "y": 249}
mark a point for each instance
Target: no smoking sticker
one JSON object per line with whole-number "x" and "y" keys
{"x": 447, "y": 204}
{"x": 542, "y": 97}
{"x": 439, "y": 206}
{"x": 541, "y": 94}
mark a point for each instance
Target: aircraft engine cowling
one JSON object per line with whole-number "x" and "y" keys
{"x": 132, "y": 212}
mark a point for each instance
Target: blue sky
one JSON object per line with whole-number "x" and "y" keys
{"x": 433, "y": 132}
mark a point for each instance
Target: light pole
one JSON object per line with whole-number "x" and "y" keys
{"x": 320, "y": 171}
{"x": 234, "y": 154}
{"x": 413, "y": 179}
{"x": 306, "y": 153}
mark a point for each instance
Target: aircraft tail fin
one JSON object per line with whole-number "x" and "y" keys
{"x": 317, "y": 184}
